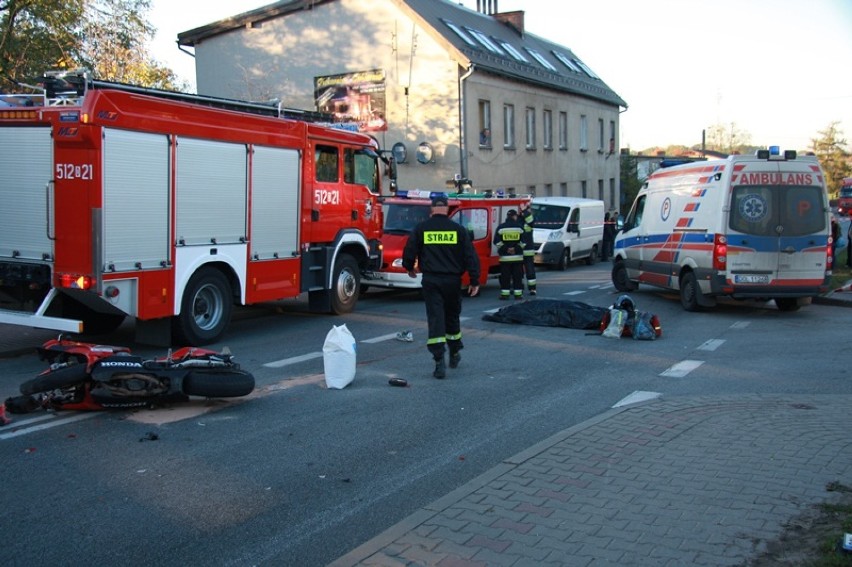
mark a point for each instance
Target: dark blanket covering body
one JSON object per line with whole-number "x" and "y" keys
{"x": 550, "y": 313}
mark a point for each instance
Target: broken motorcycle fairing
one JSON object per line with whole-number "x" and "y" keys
{"x": 87, "y": 376}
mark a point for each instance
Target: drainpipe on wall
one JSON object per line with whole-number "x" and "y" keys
{"x": 462, "y": 121}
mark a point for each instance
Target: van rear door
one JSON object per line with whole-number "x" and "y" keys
{"x": 777, "y": 229}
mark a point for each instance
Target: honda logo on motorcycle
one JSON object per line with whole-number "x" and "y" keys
{"x": 121, "y": 364}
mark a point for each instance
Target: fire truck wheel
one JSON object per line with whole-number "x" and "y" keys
{"x": 689, "y": 291}
{"x": 619, "y": 278}
{"x": 205, "y": 310}
{"x": 346, "y": 282}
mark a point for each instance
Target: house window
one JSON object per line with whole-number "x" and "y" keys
{"x": 540, "y": 58}
{"x": 612, "y": 136}
{"x": 584, "y": 134}
{"x": 563, "y": 189}
{"x": 548, "y": 189}
{"x": 548, "y": 129}
{"x": 612, "y": 192}
{"x": 485, "y": 41}
{"x": 530, "y": 128}
{"x": 508, "y": 126}
{"x": 566, "y": 61}
{"x": 600, "y": 189}
{"x": 563, "y": 130}
{"x": 516, "y": 55}
{"x": 485, "y": 123}
{"x": 583, "y": 192}
{"x": 600, "y": 135}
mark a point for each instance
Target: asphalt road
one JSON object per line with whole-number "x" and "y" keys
{"x": 300, "y": 474}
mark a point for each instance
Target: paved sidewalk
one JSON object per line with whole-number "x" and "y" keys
{"x": 671, "y": 482}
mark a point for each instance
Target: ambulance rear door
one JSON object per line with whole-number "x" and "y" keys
{"x": 778, "y": 226}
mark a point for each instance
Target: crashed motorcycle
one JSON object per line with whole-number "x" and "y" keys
{"x": 87, "y": 376}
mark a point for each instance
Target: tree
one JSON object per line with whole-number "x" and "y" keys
{"x": 108, "y": 37}
{"x": 36, "y": 36}
{"x": 727, "y": 138}
{"x": 830, "y": 149}
{"x": 116, "y": 32}
{"x": 630, "y": 182}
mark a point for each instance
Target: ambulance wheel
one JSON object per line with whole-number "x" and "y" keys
{"x": 619, "y": 278}
{"x": 564, "y": 260}
{"x": 689, "y": 291}
{"x": 346, "y": 284}
{"x": 205, "y": 310}
{"x": 787, "y": 303}
{"x": 593, "y": 257}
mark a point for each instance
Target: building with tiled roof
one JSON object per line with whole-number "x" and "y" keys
{"x": 457, "y": 92}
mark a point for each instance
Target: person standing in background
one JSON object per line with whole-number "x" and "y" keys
{"x": 608, "y": 237}
{"x": 508, "y": 238}
{"x": 527, "y": 221}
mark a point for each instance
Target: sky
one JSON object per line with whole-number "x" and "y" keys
{"x": 777, "y": 70}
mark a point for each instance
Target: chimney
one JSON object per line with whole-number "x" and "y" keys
{"x": 514, "y": 20}
{"x": 487, "y": 7}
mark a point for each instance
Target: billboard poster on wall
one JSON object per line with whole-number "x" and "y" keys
{"x": 357, "y": 99}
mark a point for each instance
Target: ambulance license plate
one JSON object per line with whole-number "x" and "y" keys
{"x": 752, "y": 279}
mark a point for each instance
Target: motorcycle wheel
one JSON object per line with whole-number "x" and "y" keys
{"x": 62, "y": 378}
{"x": 218, "y": 384}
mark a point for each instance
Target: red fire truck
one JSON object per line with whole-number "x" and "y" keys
{"x": 480, "y": 213}
{"x": 171, "y": 208}
{"x": 844, "y": 204}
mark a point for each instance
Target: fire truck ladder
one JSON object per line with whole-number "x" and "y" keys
{"x": 67, "y": 88}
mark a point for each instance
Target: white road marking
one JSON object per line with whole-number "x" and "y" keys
{"x": 578, "y": 292}
{"x": 380, "y": 339}
{"x": 54, "y": 423}
{"x": 740, "y": 324}
{"x": 682, "y": 368}
{"x": 638, "y": 396}
{"x": 293, "y": 360}
{"x": 712, "y": 344}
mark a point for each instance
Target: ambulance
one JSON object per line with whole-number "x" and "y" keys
{"x": 479, "y": 213}
{"x": 745, "y": 227}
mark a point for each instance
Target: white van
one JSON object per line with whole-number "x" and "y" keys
{"x": 745, "y": 227}
{"x": 567, "y": 229}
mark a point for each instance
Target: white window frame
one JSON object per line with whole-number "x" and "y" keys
{"x": 530, "y": 129}
{"x": 508, "y": 126}
{"x": 563, "y": 130}
{"x": 547, "y": 127}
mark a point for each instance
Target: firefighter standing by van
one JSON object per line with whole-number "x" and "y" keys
{"x": 527, "y": 220}
{"x": 444, "y": 252}
{"x": 508, "y": 238}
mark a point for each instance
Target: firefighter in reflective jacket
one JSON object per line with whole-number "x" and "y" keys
{"x": 508, "y": 238}
{"x": 527, "y": 221}
{"x": 444, "y": 252}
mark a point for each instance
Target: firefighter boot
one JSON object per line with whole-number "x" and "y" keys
{"x": 455, "y": 358}
{"x": 440, "y": 370}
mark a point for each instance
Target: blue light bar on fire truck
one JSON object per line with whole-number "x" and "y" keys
{"x": 424, "y": 194}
